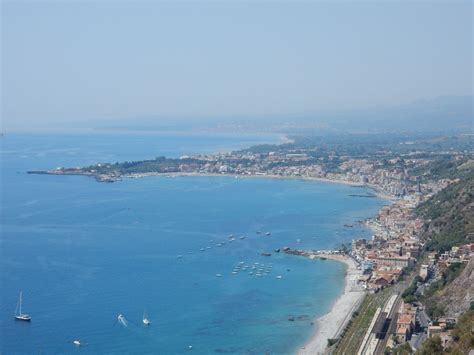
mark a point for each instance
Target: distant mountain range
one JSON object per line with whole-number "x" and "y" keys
{"x": 452, "y": 113}
{"x": 445, "y": 113}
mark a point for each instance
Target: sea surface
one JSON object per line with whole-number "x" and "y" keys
{"x": 83, "y": 252}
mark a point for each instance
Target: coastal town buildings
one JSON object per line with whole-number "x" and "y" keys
{"x": 406, "y": 321}
{"x": 394, "y": 249}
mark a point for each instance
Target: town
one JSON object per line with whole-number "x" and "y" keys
{"x": 392, "y": 257}
{"x": 400, "y": 261}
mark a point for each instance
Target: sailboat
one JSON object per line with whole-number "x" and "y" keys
{"x": 18, "y": 314}
{"x": 146, "y": 321}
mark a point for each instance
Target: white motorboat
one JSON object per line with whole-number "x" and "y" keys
{"x": 145, "y": 320}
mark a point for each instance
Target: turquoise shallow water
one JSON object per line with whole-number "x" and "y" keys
{"x": 83, "y": 252}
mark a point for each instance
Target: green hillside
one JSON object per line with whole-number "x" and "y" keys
{"x": 449, "y": 215}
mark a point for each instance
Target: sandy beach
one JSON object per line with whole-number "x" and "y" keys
{"x": 331, "y": 324}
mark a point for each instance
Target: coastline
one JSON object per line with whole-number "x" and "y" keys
{"x": 100, "y": 178}
{"x": 377, "y": 192}
{"x": 259, "y": 176}
{"x": 339, "y": 310}
{"x": 331, "y": 324}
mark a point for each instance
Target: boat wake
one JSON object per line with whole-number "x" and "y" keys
{"x": 122, "y": 320}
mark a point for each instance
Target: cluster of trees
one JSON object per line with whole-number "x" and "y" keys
{"x": 160, "y": 164}
{"x": 409, "y": 295}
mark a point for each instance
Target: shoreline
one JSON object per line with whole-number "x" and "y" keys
{"x": 330, "y": 325}
{"x": 376, "y": 190}
{"x": 238, "y": 176}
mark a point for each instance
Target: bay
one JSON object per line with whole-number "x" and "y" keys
{"x": 83, "y": 252}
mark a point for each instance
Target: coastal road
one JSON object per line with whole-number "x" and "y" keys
{"x": 423, "y": 319}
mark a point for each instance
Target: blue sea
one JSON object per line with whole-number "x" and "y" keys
{"x": 83, "y": 252}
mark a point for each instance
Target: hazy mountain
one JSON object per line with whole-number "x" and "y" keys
{"x": 445, "y": 113}
{"x": 439, "y": 114}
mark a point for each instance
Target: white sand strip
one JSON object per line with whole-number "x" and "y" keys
{"x": 332, "y": 323}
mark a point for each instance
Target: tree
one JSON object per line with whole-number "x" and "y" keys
{"x": 404, "y": 349}
{"x": 432, "y": 346}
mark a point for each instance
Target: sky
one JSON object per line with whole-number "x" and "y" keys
{"x": 75, "y": 62}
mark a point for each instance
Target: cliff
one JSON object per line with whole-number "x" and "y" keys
{"x": 456, "y": 297}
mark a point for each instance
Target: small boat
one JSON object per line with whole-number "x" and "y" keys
{"x": 18, "y": 314}
{"x": 242, "y": 237}
{"x": 268, "y": 233}
{"x": 219, "y": 275}
{"x": 77, "y": 342}
{"x": 145, "y": 320}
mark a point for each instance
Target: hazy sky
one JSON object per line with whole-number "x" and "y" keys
{"x": 77, "y": 61}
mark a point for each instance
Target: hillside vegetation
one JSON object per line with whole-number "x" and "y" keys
{"x": 449, "y": 215}
{"x": 463, "y": 339}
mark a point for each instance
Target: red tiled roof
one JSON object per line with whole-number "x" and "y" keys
{"x": 405, "y": 318}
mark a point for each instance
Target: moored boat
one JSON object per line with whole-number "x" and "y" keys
{"x": 18, "y": 313}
